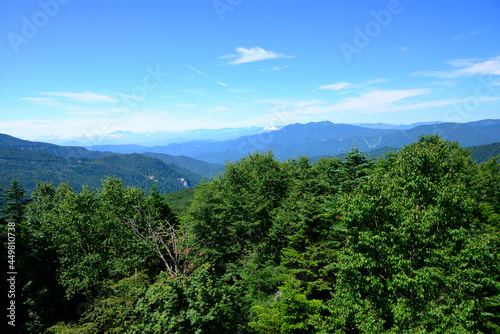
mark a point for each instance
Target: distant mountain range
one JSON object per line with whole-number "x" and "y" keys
{"x": 319, "y": 139}
{"x": 182, "y": 165}
{"x": 393, "y": 126}
{"x": 156, "y": 138}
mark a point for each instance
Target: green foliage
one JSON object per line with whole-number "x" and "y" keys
{"x": 180, "y": 200}
{"x": 15, "y": 202}
{"x": 78, "y": 241}
{"x": 490, "y": 189}
{"x": 196, "y": 304}
{"x": 407, "y": 244}
{"x": 415, "y": 257}
{"x": 113, "y": 311}
{"x": 92, "y": 241}
{"x": 233, "y": 215}
{"x": 289, "y": 311}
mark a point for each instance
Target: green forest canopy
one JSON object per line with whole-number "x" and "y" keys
{"x": 409, "y": 243}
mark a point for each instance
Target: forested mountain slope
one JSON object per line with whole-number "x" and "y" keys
{"x": 134, "y": 169}
{"x": 484, "y": 153}
{"x": 196, "y": 166}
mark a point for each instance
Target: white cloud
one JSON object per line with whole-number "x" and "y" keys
{"x": 221, "y": 83}
{"x": 459, "y": 37}
{"x": 46, "y": 101}
{"x": 270, "y": 128}
{"x": 343, "y": 85}
{"x": 86, "y": 97}
{"x": 467, "y": 67}
{"x": 371, "y": 82}
{"x": 336, "y": 86}
{"x": 194, "y": 69}
{"x": 206, "y": 76}
{"x": 463, "y": 62}
{"x": 277, "y": 68}
{"x": 376, "y": 101}
{"x": 404, "y": 49}
{"x": 251, "y": 55}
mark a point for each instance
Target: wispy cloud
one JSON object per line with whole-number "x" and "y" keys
{"x": 372, "y": 82}
{"x": 343, "y": 85}
{"x": 86, "y": 97}
{"x": 404, "y": 49}
{"x": 46, "y": 101}
{"x": 275, "y": 68}
{"x": 459, "y": 37}
{"x": 336, "y": 86}
{"x": 251, "y": 55}
{"x": 467, "y": 67}
{"x": 206, "y": 76}
{"x": 278, "y": 68}
{"x": 377, "y": 101}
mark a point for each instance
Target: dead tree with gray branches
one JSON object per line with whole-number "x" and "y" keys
{"x": 174, "y": 245}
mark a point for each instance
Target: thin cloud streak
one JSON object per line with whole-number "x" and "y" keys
{"x": 252, "y": 55}
{"x": 46, "y": 101}
{"x": 343, "y": 85}
{"x": 206, "y": 76}
{"x": 336, "y": 86}
{"x": 86, "y": 97}
{"x": 464, "y": 36}
{"x": 469, "y": 68}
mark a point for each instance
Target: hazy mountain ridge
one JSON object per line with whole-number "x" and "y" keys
{"x": 326, "y": 138}
{"x": 393, "y": 126}
{"x": 155, "y": 138}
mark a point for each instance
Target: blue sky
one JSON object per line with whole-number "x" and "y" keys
{"x": 72, "y": 68}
